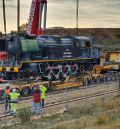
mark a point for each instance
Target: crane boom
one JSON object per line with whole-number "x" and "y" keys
{"x": 35, "y": 18}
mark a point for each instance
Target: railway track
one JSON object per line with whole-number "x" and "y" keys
{"x": 69, "y": 100}
{"x": 68, "y": 89}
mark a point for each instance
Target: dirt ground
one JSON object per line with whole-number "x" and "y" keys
{"x": 96, "y": 114}
{"x": 66, "y": 95}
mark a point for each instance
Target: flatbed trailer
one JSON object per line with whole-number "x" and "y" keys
{"x": 101, "y": 73}
{"x": 70, "y": 82}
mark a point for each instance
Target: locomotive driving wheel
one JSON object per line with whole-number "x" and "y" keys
{"x": 73, "y": 68}
{"x": 56, "y": 71}
{"x": 47, "y": 72}
{"x": 82, "y": 69}
{"x": 65, "y": 69}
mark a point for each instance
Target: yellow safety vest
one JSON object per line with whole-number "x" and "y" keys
{"x": 43, "y": 91}
{"x": 14, "y": 96}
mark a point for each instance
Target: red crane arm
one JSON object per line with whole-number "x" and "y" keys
{"x": 35, "y": 18}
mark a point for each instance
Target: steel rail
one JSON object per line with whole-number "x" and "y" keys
{"x": 83, "y": 97}
{"x": 68, "y": 89}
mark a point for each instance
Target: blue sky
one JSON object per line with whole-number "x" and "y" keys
{"x": 92, "y": 13}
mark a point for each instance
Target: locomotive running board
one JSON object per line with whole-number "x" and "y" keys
{"x": 44, "y": 61}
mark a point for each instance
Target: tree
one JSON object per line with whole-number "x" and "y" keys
{"x": 1, "y": 34}
{"x": 23, "y": 27}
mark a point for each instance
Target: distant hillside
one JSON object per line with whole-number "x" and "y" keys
{"x": 103, "y": 36}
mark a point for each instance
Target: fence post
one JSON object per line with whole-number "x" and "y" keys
{"x": 104, "y": 88}
{"x": 86, "y": 88}
{"x": 5, "y": 109}
{"x": 103, "y": 96}
{"x": 119, "y": 83}
{"x": 66, "y": 106}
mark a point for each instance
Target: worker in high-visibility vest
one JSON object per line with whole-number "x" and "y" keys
{"x": 43, "y": 90}
{"x": 7, "y": 97}
{"x": 14, "y": 100}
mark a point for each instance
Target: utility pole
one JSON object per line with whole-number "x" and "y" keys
{"x": 18, "y": 15}
{"x": 77, "y": 16}
{"x": 4, "y": 20}
{"x": 4, "y": 16}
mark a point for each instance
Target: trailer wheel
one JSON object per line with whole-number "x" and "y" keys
{"x": 25, "y": 91}
{"x": 113, "y": 78}
{"x": 92, "y": 80}
{"x": 98, "y": 79}
{"x": 108, "y": 78}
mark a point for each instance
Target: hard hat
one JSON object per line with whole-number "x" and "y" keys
{"x": 13, "y": 90}
{"x": 7, "y": 85}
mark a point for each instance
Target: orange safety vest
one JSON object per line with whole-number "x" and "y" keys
{"x": 7, "y": 91}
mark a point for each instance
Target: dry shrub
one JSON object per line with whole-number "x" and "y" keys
{"x": 115, "y": 114}
{"x": 82, "y": 110}
{"x": 87, "y": 109}
{"x": 109, "y": 104}
{"x": 65, "y": 126}
{"x": 114, "y": 127}
{"x": 102, "y": 119}
{"x": 117, "y": 101}
{"x": 70, "y": 125}
{"x": 24, "y": 115}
